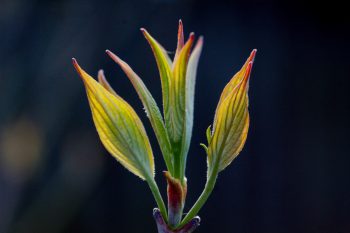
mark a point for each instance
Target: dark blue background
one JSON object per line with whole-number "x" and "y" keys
{"x": 293, "y": 174}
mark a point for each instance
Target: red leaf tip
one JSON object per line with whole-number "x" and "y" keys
{"x": 252, "y": 55}
{"x": 75, "y": 64}
{"x": 115, "y": 57}
{"x": 200, "y": 40}
{"x": 181, "y": 28}
{"x": 77, "y": 67}
{"x": 143, "y": 30}
{"x": 248, "y": 71}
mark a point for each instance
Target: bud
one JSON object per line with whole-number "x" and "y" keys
{"x": 231, "y": 120}
{"x": 178, "y": 85}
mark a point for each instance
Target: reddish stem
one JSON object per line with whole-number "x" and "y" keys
{"x": 164, "y": 228}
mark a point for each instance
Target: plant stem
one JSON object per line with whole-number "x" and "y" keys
{"x": 209, "y": 186}
{"x": 158, "y": 197}
{"x": 177, "y": 167}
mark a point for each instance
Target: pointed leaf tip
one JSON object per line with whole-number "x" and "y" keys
{"x": 204, "y": 147}
{"x": 252, "y": 55}
{"x": 74, "y": 61}
{"x": 77, "y": 68}
{"x": 191, "y": 37}
{"x": 144, "y": 32}
{"x": 199, "y": 43}
{"x": 201, "y": 38}
{"x": 180, "y": 35}
{"x": 114, "y": 57}
{"x": 101, "y": 76}
{"x": 164, "y": 65}
{"x": 103, "y": 81}
{"x": 180, "y": 40}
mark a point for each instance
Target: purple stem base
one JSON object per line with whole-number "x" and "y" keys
{"x": 164, "y": 228}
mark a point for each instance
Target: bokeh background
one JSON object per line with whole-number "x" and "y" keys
{"x": 293, "y": 174}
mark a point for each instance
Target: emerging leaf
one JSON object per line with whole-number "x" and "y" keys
{"x": 120, "y": 129}
{"x": 231, "y": 120}
{"x": 175, "y": 117}
{"x": 208, "y": 134}
{"x": 180, "y": 40}
{"x": 178, "y": 84}
{"x": 164, "y": 64}
{"x": 151, "y": 108}
{"x": 103, "y": 81}
{"x": 191, "y": 73}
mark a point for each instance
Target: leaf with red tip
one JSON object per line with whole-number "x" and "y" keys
{"x": 174, "y": 120}
{"x": 235, "y": 80}
{"x": 180, "y": 40}
{"x": 231, "y": 122}
{"x": 120, "y": 129}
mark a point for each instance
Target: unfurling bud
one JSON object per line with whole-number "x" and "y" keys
{"x": 178, "y": 79}
{"x": 231, "y": 120}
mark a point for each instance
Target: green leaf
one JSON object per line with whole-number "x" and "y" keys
{"x": 231, "y": 120}
{"x": 164, "y": 64}
{"x": 175, "y": 120}
{"x": 208, "y": 134}
{"x": 151, "y": 109}
{"x": 120, "y": 129}
{"x": 191, "y": 72}
{"x": 235, "y": 80}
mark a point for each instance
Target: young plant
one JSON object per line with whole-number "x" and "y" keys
{"x": 123, "y": 135}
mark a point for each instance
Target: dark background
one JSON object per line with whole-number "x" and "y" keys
{"x": 293, "y": 174}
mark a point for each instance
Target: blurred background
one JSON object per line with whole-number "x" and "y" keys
{"x": 293, "y": 174}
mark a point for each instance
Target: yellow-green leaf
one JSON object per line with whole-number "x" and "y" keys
{"x": 178, "y": 84}
{"x": 231, "y": 122}
{"x": 119, "y": 128}
{"x": 164, "y": 64}
{"x": 190, "y": 81}
{"x": 237, "y": 78}
{"x": 151, "y": 109}
{"x": 175, "y": 118}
